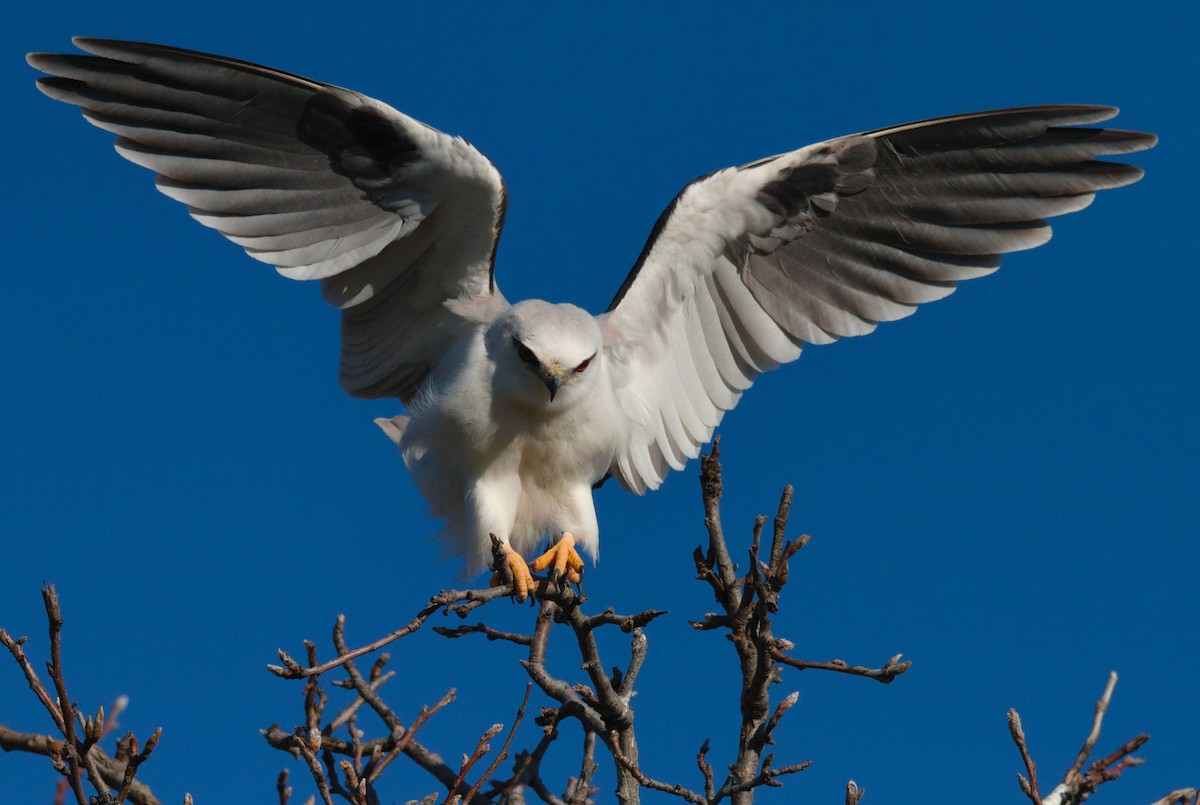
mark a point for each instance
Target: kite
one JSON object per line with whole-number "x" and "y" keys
{"x": 514, "y": 412}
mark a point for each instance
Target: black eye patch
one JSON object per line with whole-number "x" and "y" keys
{"x": 525, "y": 353}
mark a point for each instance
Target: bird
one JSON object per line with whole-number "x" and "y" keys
{"x": 512, "y": 413}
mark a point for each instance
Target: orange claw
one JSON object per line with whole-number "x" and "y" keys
{"x": 563, "y": 557}
{"x": 522, "y": 578}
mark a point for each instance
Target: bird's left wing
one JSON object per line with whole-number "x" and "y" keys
{"x": 393, "y": 216}
{"x": 749, "y": 263}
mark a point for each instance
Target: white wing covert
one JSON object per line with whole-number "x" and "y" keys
{"x": 392, "y": 216}
{"x": 749, "y": 263}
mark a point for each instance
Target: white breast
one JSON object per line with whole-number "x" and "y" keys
{"x": 521, "y": 472}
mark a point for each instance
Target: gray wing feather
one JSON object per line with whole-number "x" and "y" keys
{"x": 750, "y": 263}
{"x": 319, "y": 181}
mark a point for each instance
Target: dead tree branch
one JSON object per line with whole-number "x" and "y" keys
{"x": 747, "y": 604}
{"x": 77, "y": 752}
{"x": 346, "y": 763}
{"x": 600, "y": 703}
{"x": 1079, "y": 784}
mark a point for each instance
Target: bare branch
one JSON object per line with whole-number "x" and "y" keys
{"x": 503, "y": 750}
{"x": 404, "y": 740}
{"x": 54, "y": 667}
{"x": 487, "y": 631}
{"x": 1078, "y": 785}
{"x": 443, "y": 600}
{"x": 1184, "y": 796}
{"x": 1029, "y": 785}
{"x": 706, "y": 770}
{"x": 112, "y": 769}
{"x": 281, "y": 786}
{"x": 890, "y": 670}
{"x": 16, "y": 647}
{"x": 136, "y": 759}
{"x": 1097, "y": 720}
{"x": 614, "y": 744}
{"x": 75, "y": 755}
{"x": 309, "y": 746}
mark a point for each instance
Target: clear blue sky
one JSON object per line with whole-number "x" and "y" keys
{"x": 1003, "y": 487}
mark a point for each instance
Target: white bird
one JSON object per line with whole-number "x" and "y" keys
{"x": 516, "y": 411}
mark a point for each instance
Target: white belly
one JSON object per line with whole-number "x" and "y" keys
{"x": 517, "y": 473}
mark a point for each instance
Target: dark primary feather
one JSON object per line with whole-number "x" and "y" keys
{"x": 319, "y": 181}
{"x": 944, "y": 199}
{"x": 857, "y": 230}
{"x": 247, "y": 148}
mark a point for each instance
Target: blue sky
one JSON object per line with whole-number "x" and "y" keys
{"x": 1003, "y": 487}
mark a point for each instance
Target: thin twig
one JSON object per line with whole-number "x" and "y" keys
{"x": 54, "y": 667}
{"x": 309, "y": 746}
{"x": 136, "y": 759}
{"x": 481, "y": 749}
{"x": 503, "y": 749}
{"x": 1029, "y": 785}
{"x": 1094, "y": 735}
{"x": 16, "y": 647}
{"x": 644, "y": 781}
{"x": 490, "y": 633}
{"x": 112, "y": 769}
{"x": 443, "y": 600}
{"x": 890, "y": 670}
{"x": 410, "y": 733}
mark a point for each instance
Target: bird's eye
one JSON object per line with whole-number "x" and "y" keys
{"x": 583, "y": 365}
{"x": 526, "y": 354}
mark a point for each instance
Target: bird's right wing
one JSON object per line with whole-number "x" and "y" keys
{"x": 393, "y": 217}
{"x": 750, "y": 263}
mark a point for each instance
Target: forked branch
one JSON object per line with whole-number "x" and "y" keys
{"x": 1078, "y": 784}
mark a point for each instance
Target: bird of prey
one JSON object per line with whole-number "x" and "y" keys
{"x": 515, "y": 411}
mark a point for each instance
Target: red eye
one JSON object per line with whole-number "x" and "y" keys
{"x": 583, "y": 365}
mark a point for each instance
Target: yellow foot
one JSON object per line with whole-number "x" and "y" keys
{"x": 522, "y": 579}
{"x": 562, "y": 558}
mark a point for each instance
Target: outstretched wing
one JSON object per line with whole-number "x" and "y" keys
{"x": 392, "y": 216}
{"x": 750, "y": 263}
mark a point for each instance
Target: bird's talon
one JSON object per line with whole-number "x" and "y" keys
{"x": 521, "y": 578}
{"x": 562, "y": 562}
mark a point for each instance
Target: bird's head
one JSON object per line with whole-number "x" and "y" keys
{"x": 545, "y": 352}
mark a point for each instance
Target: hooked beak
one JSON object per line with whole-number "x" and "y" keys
{"x": 552, "y": 378}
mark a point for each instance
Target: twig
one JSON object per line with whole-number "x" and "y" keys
{"x": 890, "y": 670}
{"x": 309, "y": 746}
{"x": 136, "y": 759}
{"x": 1028, "y": 784}
{"x": 748, "y": 603}
{"x": 706, "y": 770}
{"x": 349, "y": 710}
{"x": 481, "y": 749}
{"x": 1094, "y": 735}
{"x": 503, "y": 749}
{"x": 687, "y": 794}
{"x": 581, "y": 788}
{"x": 16, "y": 647}
{"x": 1078, "y": 785}
{"x": 112, "y": 769}
{"x": 443, "y": 600}
{"x": 281, "y": 786}
{"x": 404, "y": 740}
{"x": 54, "y": 667}
{"x": 1184, "y": 796}
{"x": 766, "y": 776}
{"x": 490, "y": 633}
